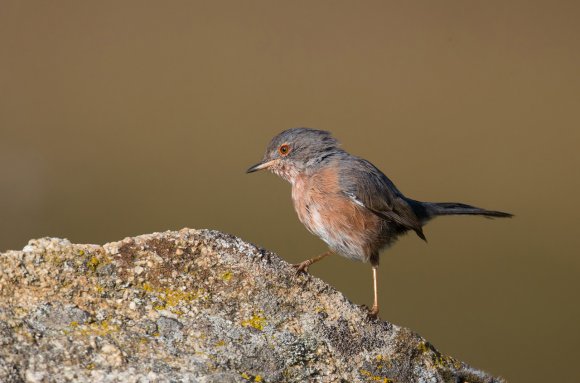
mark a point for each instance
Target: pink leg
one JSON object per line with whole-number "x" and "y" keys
{"x": 375, "y": 310}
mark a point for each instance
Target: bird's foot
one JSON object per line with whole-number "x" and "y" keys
{"x": 374, "y": 312}
{"x": 302, "y": 267}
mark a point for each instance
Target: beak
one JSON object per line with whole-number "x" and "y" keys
{"x": 260, "y": 166}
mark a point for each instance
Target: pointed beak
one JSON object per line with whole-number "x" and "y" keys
{"x": 260, "y": 166}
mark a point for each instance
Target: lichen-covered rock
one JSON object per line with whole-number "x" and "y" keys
{"x": 193, "y": 306}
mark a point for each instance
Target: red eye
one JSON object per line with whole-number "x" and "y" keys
{"x": 284, "y": 149}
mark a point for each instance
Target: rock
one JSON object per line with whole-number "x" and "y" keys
{"x": 193, "y": 306}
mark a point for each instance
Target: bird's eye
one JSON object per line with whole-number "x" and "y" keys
{"x": 284, "y": 149}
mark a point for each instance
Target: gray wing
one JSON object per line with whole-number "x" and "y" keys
{"x": 367, "y": 186}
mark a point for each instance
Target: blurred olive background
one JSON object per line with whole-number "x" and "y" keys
{"x": 124, "y": 118}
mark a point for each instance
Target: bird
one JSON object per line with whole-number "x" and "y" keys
{"x": 347, "y": 201}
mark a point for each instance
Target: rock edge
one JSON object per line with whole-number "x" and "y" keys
{"x": 194, "y": 306}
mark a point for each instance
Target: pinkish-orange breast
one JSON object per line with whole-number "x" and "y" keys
{"x": 348, "y": 229}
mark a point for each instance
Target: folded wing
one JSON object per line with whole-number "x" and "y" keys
{"x": 367, "y": 186}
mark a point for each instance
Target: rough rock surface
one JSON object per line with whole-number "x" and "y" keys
{"x": 193, "y": 306}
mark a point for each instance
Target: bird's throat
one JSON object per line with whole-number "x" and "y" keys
{"x": 285, "y": 171}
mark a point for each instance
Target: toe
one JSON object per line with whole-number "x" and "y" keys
{"x": 301, "y": 268}
{"x": 374, "y": 312}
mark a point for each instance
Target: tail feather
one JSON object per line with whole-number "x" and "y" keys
{"x": 452, "y": 208}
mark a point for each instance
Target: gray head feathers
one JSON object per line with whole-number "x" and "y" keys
{"x": 297, "y": 150}
{"x": 305, "y": 145}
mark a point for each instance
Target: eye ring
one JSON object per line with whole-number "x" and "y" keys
{"x": 284, "y": 149}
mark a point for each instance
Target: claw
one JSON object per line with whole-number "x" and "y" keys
{"x": 301, "y": 267}
{"x": 374, "y": 312}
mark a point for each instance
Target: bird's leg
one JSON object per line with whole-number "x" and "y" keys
{"x": 302, "y": 267}
{"x": 375, "y": 310}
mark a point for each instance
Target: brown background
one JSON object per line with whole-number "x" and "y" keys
{"x": 123, "y": 118}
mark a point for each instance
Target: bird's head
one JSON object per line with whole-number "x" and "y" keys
{"x": 295, "y": 151}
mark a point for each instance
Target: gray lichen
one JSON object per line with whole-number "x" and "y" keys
{"x": 193, "y": 306}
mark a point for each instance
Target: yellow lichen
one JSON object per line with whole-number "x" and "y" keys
{"x": 221, "y": 343}
{"x": 98, "y": 329}
{"x": 227, "y": 276}
{"x": 256, "y": 321}
{"x": 174, "y": 297}
{"x": 171, "y": 297}
{"x": 375, "y": 378}
{"x": 56, "y": 260}
{"x": 250, "y": 378}
{"x": 177, "y": 312}
{"x": 382, "y": 362}
{"x": 438, "y": 359}
{"x": 93, "y": 263}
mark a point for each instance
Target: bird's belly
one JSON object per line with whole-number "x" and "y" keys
{"x": 346, "y": 242}
{"x": 348, "y": 230}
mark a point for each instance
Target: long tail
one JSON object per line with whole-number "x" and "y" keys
{"x": 452, "y": 208}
